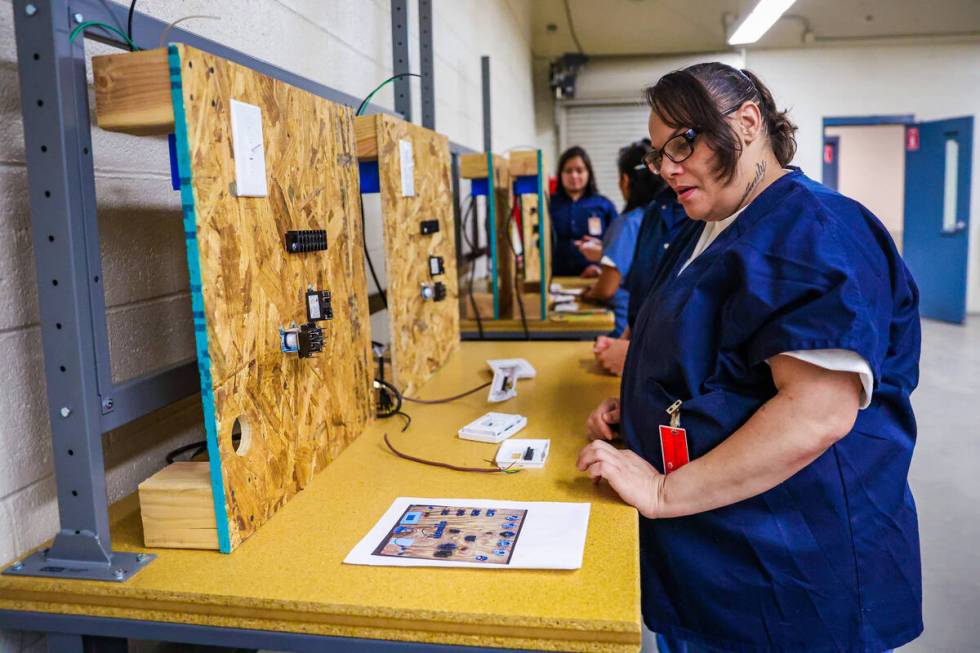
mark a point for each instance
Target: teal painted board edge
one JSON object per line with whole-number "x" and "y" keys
{"x": 541, "y": 210}
{"x": 492, "y": 220}
{"x": 197, "y": 299}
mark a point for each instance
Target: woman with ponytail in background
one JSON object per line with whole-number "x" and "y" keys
{"x": 639, "y": 187}
{"x": 765, "y": 396}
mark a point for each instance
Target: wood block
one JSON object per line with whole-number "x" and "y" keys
{"x": 474, "y": 166}
{"x": 296, "y": 415}
{"x": 523, "y": 163}
{"x": 423, "y": 334}
{"x": 132, "y": 92}
{"x": 177, "y": 507}
{"x": 366, "y": 134}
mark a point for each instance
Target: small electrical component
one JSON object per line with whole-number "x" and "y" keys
{"x": 436, "y": 266}
{"x": 522, "y": 453}
{"x": 433, "y": 292}
{"x": 318, "y": 305}
{"x": 429, "y": 227}
{"x": 308, "y": 240}
{"x": 305, "y": 340}
{"x": 493, "y": 427}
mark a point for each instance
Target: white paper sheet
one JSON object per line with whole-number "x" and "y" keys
{"x": 552, "y": 535}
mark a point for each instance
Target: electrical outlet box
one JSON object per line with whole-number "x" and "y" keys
{"x": 493, "y": 427}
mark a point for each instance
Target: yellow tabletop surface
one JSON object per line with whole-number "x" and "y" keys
{"x": 591, "y": 320}
{"x": 570, "y": 283}
{"x": 289, "y": 576}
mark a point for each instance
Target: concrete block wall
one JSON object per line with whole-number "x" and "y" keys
{"x": 342, "y": 43}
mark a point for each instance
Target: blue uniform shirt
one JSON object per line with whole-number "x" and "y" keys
{"x": 618, "y": 245}
{"x": 570, "y": 222}
{"x": 663, "y": 222}
{"x": 827, "y": 561}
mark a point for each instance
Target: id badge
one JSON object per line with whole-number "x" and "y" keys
{"x": 673, "y": 444}
{"x": 595, "y": 225}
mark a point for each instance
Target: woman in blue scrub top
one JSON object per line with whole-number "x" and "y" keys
{"x": 577, "y": 211}
{"x": 776, "y": 351}
{"x": 639, "y": 186}
{"x": 663, "y": 221}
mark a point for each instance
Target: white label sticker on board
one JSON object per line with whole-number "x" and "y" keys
{"x": 407, "y": 161}
{"x": 248, "y": 150}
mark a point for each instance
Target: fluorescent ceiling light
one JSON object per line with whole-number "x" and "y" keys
{"x": 759, "y": 20}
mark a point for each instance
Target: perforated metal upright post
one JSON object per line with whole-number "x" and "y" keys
{"x": 427, "y": 65}
{"x": 399, "y": 57}
{"x": 72, "y": 307}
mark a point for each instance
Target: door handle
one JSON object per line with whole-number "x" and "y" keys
{"x": 959, "y": 227}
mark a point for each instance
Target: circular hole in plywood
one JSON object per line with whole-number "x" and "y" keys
{"x": 241, "y": 436}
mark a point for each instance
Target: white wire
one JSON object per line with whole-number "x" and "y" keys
{"x": 168, "y": 28}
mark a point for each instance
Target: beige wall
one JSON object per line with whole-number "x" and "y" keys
{"x": 340, "y": 43}
{"x": 930, "y": 80}
{"x": 871, "y": 169}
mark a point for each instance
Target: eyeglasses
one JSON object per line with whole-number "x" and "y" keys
{"x": 677, "y": 149}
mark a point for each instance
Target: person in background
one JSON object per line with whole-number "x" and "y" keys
{"x": 577, "y": 211}
{"x": 663, "y": 221}
{"x": 639, "y": 186}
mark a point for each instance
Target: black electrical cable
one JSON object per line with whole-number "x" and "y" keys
{"x": 408, "y": 419}
{"x": 367, "y": 255}
{"x": 470, "y": 210}
{"x": 571, "y": 27}
{"x": 446, "y": 400}
{"x": 199, "y": 447}
{"x": 129, "y": 22}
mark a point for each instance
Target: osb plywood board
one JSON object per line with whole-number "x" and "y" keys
{"x": 296, "y": 415}
{"x": 423, "y": 333}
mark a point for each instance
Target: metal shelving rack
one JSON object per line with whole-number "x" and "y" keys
{"x": 83, "y": 400}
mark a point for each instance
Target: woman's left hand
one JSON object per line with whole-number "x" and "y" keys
{"x": 636, "y": 481}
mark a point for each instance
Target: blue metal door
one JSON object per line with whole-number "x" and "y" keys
{"x": 831, "y": 152}
{"x": 937, "y": 213}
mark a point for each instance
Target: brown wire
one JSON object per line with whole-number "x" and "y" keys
{"x": 447, "y": 399}
{"x": 435, "y": 463}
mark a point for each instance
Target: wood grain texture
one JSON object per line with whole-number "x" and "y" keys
{"x": 177, "y": 507}
{"x": 132, "y": 92}
{"x": 297, "y": 414}
{"x": 423, "y": 333}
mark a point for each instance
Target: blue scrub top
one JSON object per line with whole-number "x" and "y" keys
{"x": 827, "y": 561}
{"x": 663, "y": 222}
{"x": 619, "y": 244}
{"x": 570, "y": 222}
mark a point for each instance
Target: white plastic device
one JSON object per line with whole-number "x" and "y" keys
{"x": 493, "y": 427}
{"x": 523, "y": 453}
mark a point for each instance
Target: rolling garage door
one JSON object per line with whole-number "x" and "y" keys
{"x": 602, "y": 129}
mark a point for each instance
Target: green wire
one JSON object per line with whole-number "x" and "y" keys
{"x": 377, "y": 88}
{"x": 109, "y": 28}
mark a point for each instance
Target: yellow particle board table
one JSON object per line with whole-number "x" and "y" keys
{"x": 288, "y": 578}
{"x": 559, "y": 326}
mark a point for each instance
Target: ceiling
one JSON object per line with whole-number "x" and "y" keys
{"x": 645, "y": 27}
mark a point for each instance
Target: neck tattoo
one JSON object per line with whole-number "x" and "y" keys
{"x": 760, "y": 172}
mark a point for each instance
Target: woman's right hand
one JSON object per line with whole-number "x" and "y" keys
{"x": 601, "y": 419}
{"x": 610, "y": 353}
{"x": 591, "y": 248}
